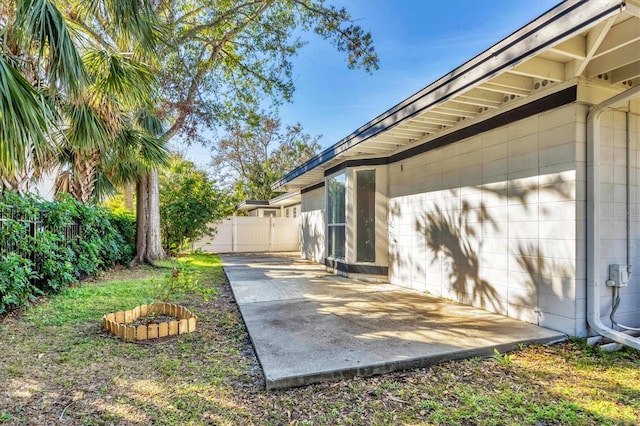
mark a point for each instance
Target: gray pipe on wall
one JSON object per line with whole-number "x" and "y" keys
{"x": 593, "y": 220}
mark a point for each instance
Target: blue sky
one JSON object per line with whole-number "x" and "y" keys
{"x": 417, "y": 42}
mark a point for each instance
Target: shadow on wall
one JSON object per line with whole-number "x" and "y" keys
{"x": 449, "y": 233}
{"x": 453, "y": 235}
{"x": 542, "y": 275}
{"x": 399, "y": 261}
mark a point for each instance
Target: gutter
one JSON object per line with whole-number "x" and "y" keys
{"x": 593, "y": 221}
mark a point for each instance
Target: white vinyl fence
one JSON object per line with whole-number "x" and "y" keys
{"x": 253, "y": 234}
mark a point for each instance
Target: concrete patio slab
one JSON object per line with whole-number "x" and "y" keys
{"x": 309, "y": 326}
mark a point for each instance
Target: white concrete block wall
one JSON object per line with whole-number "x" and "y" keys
{"x": 491, "y": 221}
{"x": 613, "y": 211}
{"x": 313, "y": 225}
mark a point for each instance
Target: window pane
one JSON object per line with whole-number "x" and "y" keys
{"x": 336, "y": 199}
{"x": 366, "y": 206}
{"x": 336, "y": 203}
{"x": 336, "y": 241}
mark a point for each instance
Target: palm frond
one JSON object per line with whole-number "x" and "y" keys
{"x": 103, "y": 187}
{"x": 138, "y": 25}
{"x": 86, "y": 130}
{"x": 25, "y": 117}
{"x": 120, "y": 78}
{"x": 134, "y": 152}
{"x": 42, "y": 25}
{"x": 149, "y": 122}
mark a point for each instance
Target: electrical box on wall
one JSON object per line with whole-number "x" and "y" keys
{"x": 618, "y": 276}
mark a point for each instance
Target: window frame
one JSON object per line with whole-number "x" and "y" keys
{"x": 359, "y": 219}
{"x": 332, "y": 226}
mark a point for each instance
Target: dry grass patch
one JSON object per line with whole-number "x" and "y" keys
{"x": 58, "y": 367}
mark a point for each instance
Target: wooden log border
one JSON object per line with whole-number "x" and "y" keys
{"x": 117, "y": 323}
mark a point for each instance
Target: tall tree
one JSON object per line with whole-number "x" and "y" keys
{"x": 222, "y": 58}
{"x": 73, "y": 94}
{"x": 255, "y": 154}
{"x": 118, "y": 48}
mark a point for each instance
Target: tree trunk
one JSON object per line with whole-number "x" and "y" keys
{"x": 148, "y": 240}
{"x": 83, "y": 180}
{"x": 128, "y": 196}
{"x": 141, "y": 220}
{"x": 154, "y": 238}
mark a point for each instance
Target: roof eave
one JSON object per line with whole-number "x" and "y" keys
{"x": 564, "y": 21}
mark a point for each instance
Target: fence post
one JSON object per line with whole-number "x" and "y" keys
{"x": 233, "y": 234}
{"x": 271, "y": 232}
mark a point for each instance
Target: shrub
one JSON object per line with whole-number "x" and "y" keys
{"x": 45, "y": 246}
{"x": 189, "y": 203}
{"x": 15, "y": 281}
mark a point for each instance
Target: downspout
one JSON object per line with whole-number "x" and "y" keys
{"x": 616, "y": 290}
{"x": 593, "y": 221}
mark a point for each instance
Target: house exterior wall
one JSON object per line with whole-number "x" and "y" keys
{"x": 491, "y": 221}
{"x": 265, "y": 212}
{"x": 613, "y": 226}
{"x": 313, "y": 225}
{"x": 498, "y": 220}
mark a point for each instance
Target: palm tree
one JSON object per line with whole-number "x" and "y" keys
{"x": 74, "y": 88}
{"x": 38, "y": 63}
{"x": 71, "y": 97}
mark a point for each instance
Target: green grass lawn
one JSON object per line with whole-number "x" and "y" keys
{"x": 58, "y": 367}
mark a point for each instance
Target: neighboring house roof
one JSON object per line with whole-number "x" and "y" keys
{"x": 287, "y": 199}
{"x": 249, "y": 205}
{"x": 597, "y": 40}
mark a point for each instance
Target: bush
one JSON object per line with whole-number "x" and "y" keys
{"x": 189, "y": 203}
{"x": 45, "y": 246}
{"x": 15, "y": 281}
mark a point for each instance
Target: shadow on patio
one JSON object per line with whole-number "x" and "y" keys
{"x": 309, "y": 326}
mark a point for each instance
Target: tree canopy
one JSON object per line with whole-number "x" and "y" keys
{"x": 252, "y": 155}
{"x": 223, "y": 58}
{"x": 99, "y": 87}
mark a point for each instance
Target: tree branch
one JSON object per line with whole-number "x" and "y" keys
{"x": 187, "y": 104}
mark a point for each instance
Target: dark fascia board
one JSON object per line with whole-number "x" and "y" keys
{"x": 357, "y": 163}
{"x": 283, "y": 197}
{"x": 482, "y": 67}
{"x": 312, "y": 187}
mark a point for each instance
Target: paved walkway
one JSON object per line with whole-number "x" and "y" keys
{"x": 308, "y": 326}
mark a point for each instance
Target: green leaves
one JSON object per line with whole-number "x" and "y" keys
{"x": 120, "y": 79}
{"x": 25, "y": 116}
{"x": 44, "y": 246}
{"x": 226, "y": 58}
{"x": 189, "y": 204}
{"x": 16, "y": 274}
{"x": 256, "y": 153}
{"x": 43, "y": 27}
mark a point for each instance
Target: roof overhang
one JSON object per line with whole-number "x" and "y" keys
{"x": 594, "y": 40}
{"x": 248, "y": 205}
{"x": 283, "y": 200}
